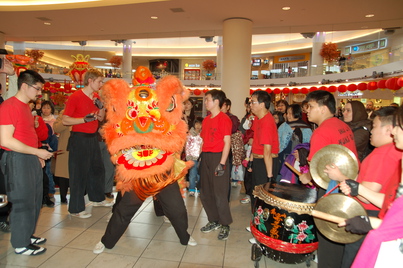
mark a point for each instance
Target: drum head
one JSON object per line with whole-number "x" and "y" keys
{"x": 333, "y": 154}
{"x": 341, "y": 206}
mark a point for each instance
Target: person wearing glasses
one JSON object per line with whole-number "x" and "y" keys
{"x": 22, "y": 163}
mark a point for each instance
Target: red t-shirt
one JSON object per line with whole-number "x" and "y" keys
{"x": 332, "y": 131}
{"x": 78, "y": 106}
{"x": 390, "y": 191}
{"x": 265, "y": 132}
{"x": 15, "y": 112}
{"x": 380, "y": 166}
{"x": 213, "y": 132}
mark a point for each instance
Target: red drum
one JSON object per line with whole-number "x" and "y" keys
{"x": 282, "y": 221}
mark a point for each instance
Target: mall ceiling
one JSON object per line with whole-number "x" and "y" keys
{"x": 131, "y": 19}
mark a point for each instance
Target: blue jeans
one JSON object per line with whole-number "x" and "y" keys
{"x": 194, "y": 176}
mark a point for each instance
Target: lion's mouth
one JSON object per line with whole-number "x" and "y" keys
{"x": 142, "y": 157}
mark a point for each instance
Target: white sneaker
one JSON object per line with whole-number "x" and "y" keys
{"x": 82, "y": 215}
{"x": 99, "y": 248}
{"x": 252, "y": 240}
{"x": 192, "y": 242}
{"x": 234, "y": 184}
{"x": 248, "y": 229}
{"x": 166, "y": 220}
{"x": 102, "y": 204}
{"x": 245, "y": 200}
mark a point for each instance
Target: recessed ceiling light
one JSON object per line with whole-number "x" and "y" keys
{"x": 286, "y": 8}
{"x": 100, "y": 59}
{"x": 154, "y": 17}
{"x": 369, "y": 15}
{"x": 47, "y": 23}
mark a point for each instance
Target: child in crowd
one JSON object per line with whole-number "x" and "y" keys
{"x": 193, "y": 149}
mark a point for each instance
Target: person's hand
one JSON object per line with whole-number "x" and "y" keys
{"x": 344, "y": 188}
{"x": 357, "y": 225}
{"x": 249, "y": 166}
{"x": 334, "y": 173}
{"x": 44, "y": 154}
{"x": 90, "y": 117}
{"x": 219, "y": 170}
{"x": 98, "y": 103}
{"x": 305, "y": 178}
{"x": 42, "y": 162}
{"x": 36, "y": 122}
{"x": 353, "y": 187}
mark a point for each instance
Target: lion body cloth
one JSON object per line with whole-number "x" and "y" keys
{"x": 144, "y": 132}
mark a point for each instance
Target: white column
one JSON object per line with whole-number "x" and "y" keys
{"x": 317, "y": 60}
{"x": 127, "y": 59}
{"x": 219, "y": 60}
{"x": 19, "y": 48}
{"x": 236, "y": 69}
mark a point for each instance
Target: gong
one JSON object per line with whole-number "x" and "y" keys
{"x": 341, "y": 206}
{"x": 336, "y": 154}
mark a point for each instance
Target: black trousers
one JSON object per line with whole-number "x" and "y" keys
{"x": 4, "y": 211}
{"x": 127, "y": 205}
{"x": 86, "y": 170}
{"x": 23, "y": 176}
{"x": 214, "y": 189}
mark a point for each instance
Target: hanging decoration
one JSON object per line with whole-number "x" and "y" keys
{"x": 329, "y": 52}
{"x": 209, "y": 65}
{"x": 78, "y": 69}
{"x": 35, "y": 54}
{"x": 20, "y": 62}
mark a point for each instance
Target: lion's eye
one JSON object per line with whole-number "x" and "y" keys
{"x": 144, "y": 94}
{"x": 172, "y": 105}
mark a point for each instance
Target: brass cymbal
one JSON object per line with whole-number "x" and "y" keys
{"x": 341, "y": 206}
{"x": 333, "y": 154}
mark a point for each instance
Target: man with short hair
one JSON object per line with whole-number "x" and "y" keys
{"x": 86, "y": 169}
{"x": 331, "y": 130}
{"x": 214, "y": 171}
{"x": 22, "y": 164}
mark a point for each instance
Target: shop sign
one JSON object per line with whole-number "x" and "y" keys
{"x": 351, "y": 94}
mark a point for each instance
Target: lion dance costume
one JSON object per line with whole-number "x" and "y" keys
{"x": 145, "y": 135}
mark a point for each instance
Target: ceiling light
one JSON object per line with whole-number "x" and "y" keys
{"x": 100, "y": 59}
{"x": 47, "y": 23}
{"x": 154, "y": 17}
{"x": 286, "y": 8}
{"x": 369, "y": 15}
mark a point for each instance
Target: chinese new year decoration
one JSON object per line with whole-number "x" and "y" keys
{"x": 116, "y": 61}
{"x": 78, "y": 69}
{"x": 329, "y": 52}
{"x": 20, "y": 62}
{"x": 35, "y": 54}
{"x": 209, "y": 65}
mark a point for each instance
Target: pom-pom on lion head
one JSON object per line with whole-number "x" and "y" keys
{"x": 144, "y": 131}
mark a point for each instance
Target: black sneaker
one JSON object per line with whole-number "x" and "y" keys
{"x": 224, "y": 233}
{"x": 47, "y": 201}
{"x": 210, "y": 226}
{"x": 5, "y": 226}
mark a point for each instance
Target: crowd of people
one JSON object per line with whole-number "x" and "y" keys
{"x": 226, "y": 152}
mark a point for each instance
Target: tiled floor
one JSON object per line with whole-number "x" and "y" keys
{"x": 148, "y": 242}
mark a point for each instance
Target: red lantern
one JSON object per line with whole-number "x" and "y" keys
{"x": 342, "y": 88}
{"x": 323, "y": 88}
{"x": 332, "y": 89}
{"x": 304, "y": 90}
{"x": 205, "y": 90}
{"x": 352, "y": 87}
{"x": 251, "y": 91}
{"x": 295, "y": 90}
{"x": 391, "y": 83}
{"x": 400, "y": 81}
{"x": 52, "y": 89}
{"x": 313, "y": 89}
{"x": 382, "y": 83}
{"x": 286, "y": 90}
{"x": 268, "y": 90}
{"x": 46, "y": 86}
{"x": 57, "y": 85}
{"x": 259, "y": 89}
{"x": 197, "y": 92}
{"x": 276, "y": 91}
{"x": 362, "y": 86}
{"x": 372, "y": 85}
